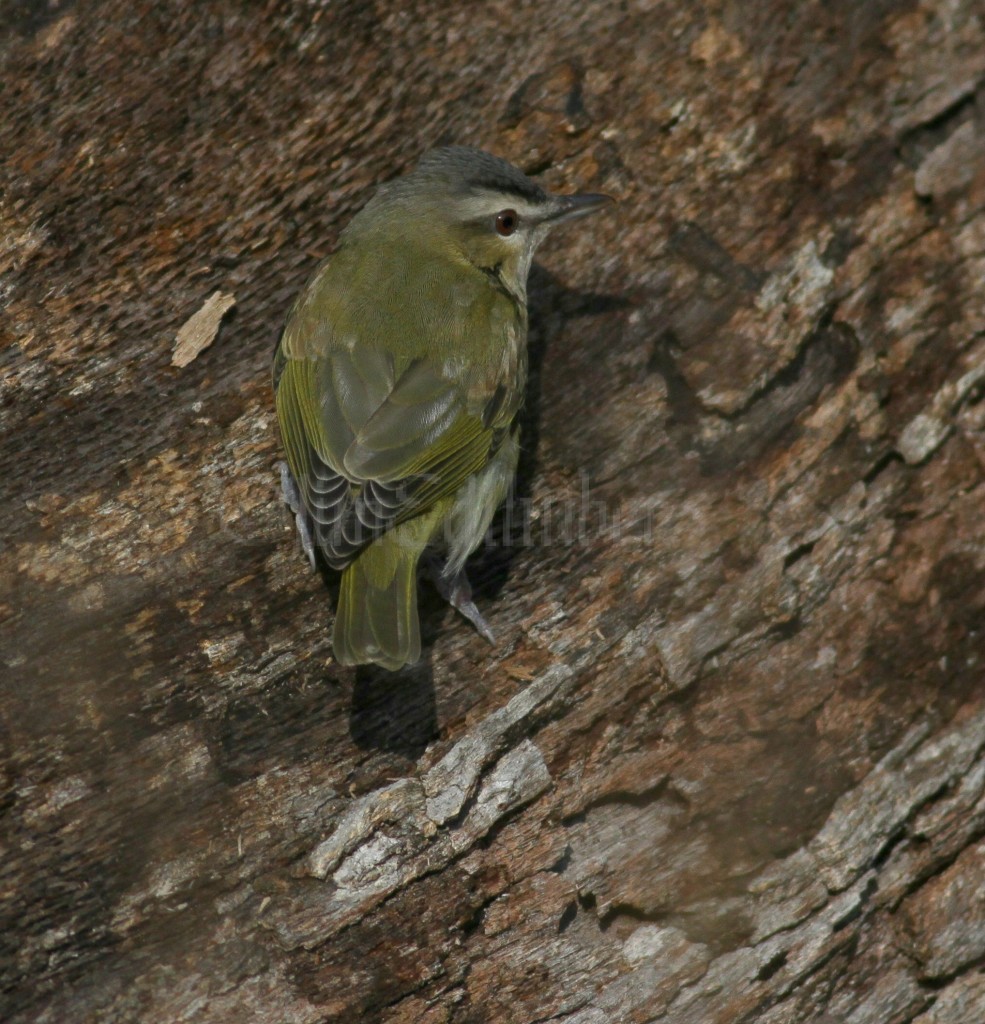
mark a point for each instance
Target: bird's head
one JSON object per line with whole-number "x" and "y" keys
{"x": 473, "y": 206}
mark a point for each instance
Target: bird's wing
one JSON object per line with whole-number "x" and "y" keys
{"x": 370, "y": 447}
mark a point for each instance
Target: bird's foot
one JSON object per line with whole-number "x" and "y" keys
{"x": 457, "y": 591}
{"x": 291, "y": 494}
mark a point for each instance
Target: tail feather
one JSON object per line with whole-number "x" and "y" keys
{"x": 377, "y": 618}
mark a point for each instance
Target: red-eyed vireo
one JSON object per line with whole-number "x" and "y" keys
{"x": 398, "y": 379}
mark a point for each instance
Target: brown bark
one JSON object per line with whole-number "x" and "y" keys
{"x": 725, "y": 763}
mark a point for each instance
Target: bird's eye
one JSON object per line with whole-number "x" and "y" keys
{"x": 506, "y": 222}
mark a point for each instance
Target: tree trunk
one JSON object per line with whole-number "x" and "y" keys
{"x": 725, "y": 762}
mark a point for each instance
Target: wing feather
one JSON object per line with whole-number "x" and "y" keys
{"x": 374, "y": 440}
{"x": 416, "y": 447}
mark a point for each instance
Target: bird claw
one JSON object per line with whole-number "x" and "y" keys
{"x": 468, "y": 608}
{"x": 292, "y": 496}
{"x": 457, "y": 591}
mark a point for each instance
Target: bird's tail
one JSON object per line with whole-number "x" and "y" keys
{"x": 376, "y": 619}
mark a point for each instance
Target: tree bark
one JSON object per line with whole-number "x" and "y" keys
{"x": 725, "y": 762}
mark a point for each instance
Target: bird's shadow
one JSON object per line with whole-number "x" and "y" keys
{"x": 393, "y": 712}
{"x": 396, "y": 712}
{"x": 551, "y": 305}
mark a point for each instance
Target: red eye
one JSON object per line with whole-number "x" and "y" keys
{"x": 506, "y": 222}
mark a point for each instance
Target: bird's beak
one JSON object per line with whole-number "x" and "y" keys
{"x": 570, "y": 207}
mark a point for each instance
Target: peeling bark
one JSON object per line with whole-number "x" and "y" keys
{"x": 726, "y": 762}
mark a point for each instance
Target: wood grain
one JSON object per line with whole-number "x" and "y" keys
{"x": 725, "y": 764}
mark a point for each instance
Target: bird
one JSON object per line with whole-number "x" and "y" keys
{"x": 397, "y": 382}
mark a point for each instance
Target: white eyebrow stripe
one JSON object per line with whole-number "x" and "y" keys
{"x": 488, "y": 204}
